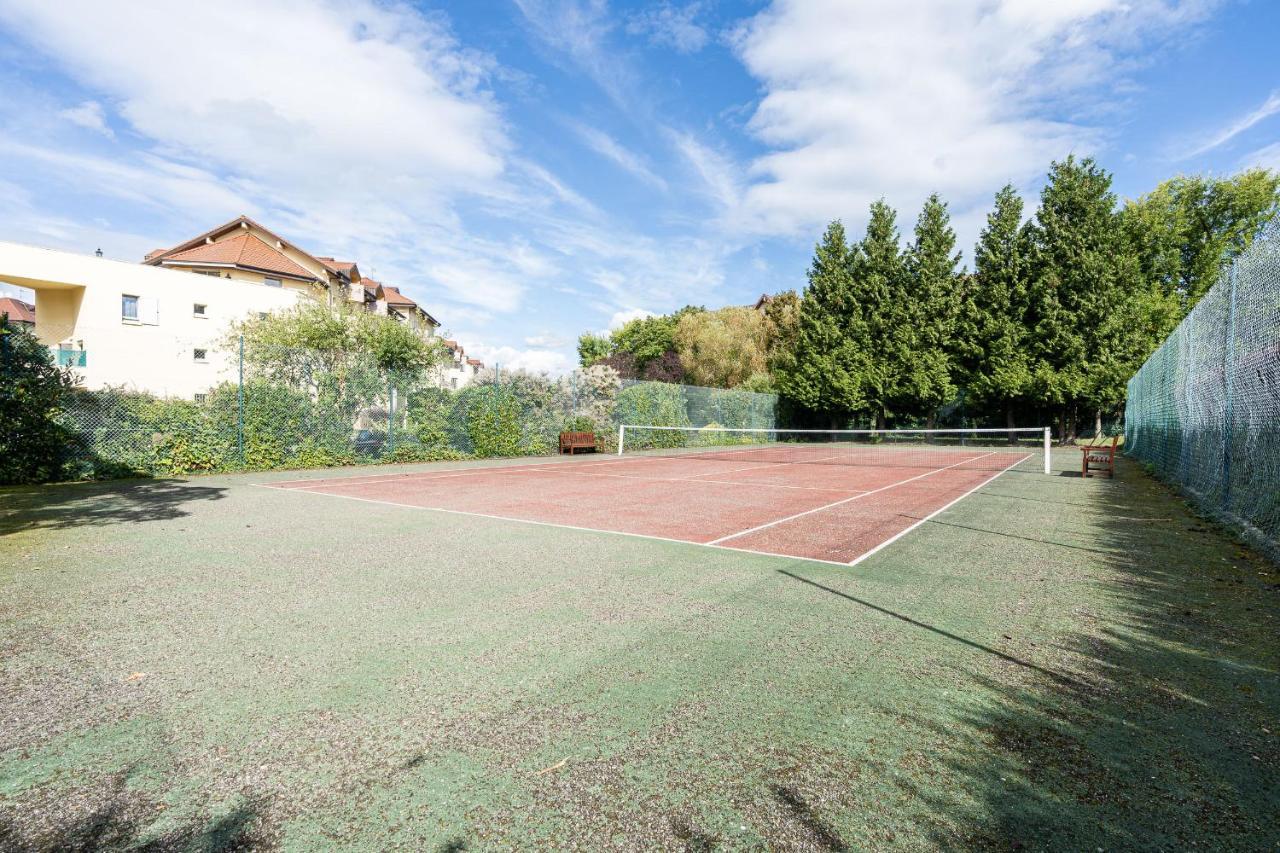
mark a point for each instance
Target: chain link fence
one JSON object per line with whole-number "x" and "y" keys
{"x": 298, "y": 408}
{"x": 1204, "y": 410}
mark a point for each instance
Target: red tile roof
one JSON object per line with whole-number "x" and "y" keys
{"x": 245, "y": 250}
{"x": 18, "y": 311}
{"x": 477, "y": 362}
{"x": 347, "y": 268}
{"x": 395, "y": 297}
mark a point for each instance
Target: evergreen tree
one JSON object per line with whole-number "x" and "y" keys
{"x": 929, "y": 298}
{"x": 882, "y": 338}
{"x": 993, "y": 343}
{"x": 824, "y": 373}
{"x": 1087, "y": 294}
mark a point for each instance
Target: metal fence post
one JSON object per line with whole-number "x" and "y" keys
{"x": 240, "y": 405}
{"x": 1228, "y": 370}
{"x": 391, "y": 416}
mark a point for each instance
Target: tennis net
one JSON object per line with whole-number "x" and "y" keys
{"x": 994, "y": 449}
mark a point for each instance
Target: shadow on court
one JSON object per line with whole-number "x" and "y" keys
{"x": 117, "y": 822}
{"x": 90, "y": 504}
{"x": 1154, "y": 725}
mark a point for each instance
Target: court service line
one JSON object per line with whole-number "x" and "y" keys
{"x": 650, "y": 536}
{"x": 553, "y": 470}
{"x": 413, "y": 476}
{"x": 895, "y": 537}
{"x": 769, "y": 524}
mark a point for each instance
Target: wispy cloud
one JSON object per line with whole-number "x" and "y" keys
{"x": 609, "y": 148}
{"x": 1268, "y": 108}
{"x": 89, "y": 115}
{"x": 672, "y": 26}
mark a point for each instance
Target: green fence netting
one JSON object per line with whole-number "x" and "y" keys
{"x": 306, "y": 409}
{"x": 1204, "y": 410}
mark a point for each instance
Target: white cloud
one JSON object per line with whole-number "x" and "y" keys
{"x": 533, "y": 360}
{"x": 1268, "y": 108}
{"x": 905, "y": 97}
{"x": 546, "y": 341}
{"x": 579, "y": 29}
{"x": 363, "y": 143}
{"x": 671, "y": 26}
{"x": 89, "y": 115}
{"x": 622, "y": 318}
{"x": 609, "y": 148}
{"x": 1267, "y": 157}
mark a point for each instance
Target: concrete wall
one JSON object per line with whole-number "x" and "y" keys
{"x": 78, "y": 307}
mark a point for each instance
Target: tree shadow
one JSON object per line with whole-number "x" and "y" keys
{"x": 1152, "y": 725}
{"x": 824, "y": 836}
{"x": 121, "y": 823}
{"x": 89, "y": 504}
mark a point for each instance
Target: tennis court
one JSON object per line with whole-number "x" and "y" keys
{"x": 833, "y": 496}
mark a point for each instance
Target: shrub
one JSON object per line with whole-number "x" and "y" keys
{"x": 581, "y": 423}
{"x": 33, "y": 441}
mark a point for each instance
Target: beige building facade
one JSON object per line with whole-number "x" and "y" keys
{"x": 137, "y": 327}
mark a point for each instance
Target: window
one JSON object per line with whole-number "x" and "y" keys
{"x": 128, "y": 307}
{"x": 453, "y": 383}
{"x": 200, "y": 398}
{"x": 199, "y": 354}
{"x": 198, "y": 310}
{"x": 272, "y": 282}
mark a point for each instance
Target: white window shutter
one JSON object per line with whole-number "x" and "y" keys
{"x": 149, "y": 311}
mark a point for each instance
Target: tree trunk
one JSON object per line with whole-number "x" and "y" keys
{"x": 1097, "y": 424}
{"x": 1009, "y": 422}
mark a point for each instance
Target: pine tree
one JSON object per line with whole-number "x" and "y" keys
{"x": 992, "y": 339}
{"x": 824, "y": 372}
{"x": 1087, "y": 293}
{"x": 877, "y": 277}
{"x": 929, "y": 299}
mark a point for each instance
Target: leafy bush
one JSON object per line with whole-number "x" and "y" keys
{"x": 654, "y": 404}
{"x": 581, "y": 423}
{"x": 33, "y": 440}
{"x": 492, "y": 418}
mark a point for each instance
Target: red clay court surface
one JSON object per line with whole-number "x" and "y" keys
{"x": 838, "y": 513}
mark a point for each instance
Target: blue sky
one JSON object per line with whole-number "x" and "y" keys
{"x": 529, "y": 169}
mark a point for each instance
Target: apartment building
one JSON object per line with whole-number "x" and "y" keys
{"x": 161, "y": 326}
{"x": 138, "y": 327}
{"x": 459, "y": 370}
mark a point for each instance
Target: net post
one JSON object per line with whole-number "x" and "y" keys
{"x": 1048, "y": 444}
{"x": 621, "y": 437}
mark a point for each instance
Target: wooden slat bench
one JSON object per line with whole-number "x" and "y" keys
{"x": 571, "y": 442}
{"x": 1100, "y": 458}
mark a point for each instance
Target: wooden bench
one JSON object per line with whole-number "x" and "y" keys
{"x": 1099, "y": 457}
{"x": 571, "y": 442}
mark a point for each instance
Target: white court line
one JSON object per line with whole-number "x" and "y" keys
{"x": 554, "y": 524}
{"x": 434, "y": 475}
{"x": 752, "y": 484}
{"x": 846, "y": 500}
{"x": 895, "y": 537}
{"x": 754, "y": 466}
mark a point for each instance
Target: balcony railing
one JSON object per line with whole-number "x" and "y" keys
{"x": 72, "y": 357}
